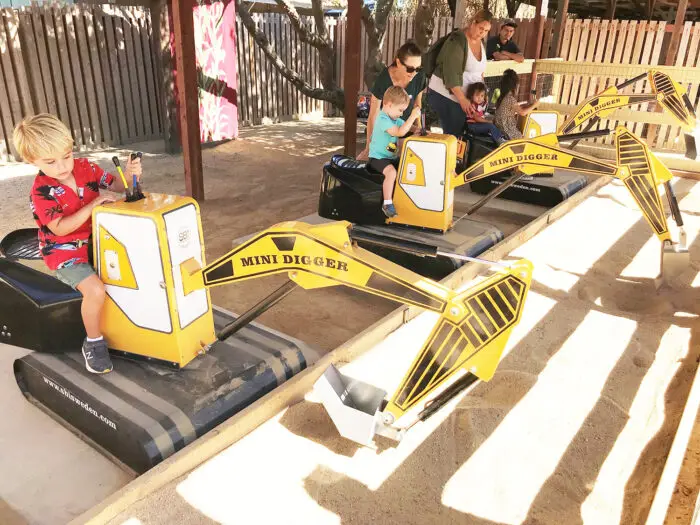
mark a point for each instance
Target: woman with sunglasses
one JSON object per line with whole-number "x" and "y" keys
{"x": 404, "y": 71}
{"x": 460, "y": 62}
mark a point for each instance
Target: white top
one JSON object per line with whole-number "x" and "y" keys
{"x": 473, "y": 72}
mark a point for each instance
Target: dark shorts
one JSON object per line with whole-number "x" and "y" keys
{"x": 380, "y": 164}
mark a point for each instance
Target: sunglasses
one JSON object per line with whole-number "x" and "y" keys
{"x": 410, "y": 69}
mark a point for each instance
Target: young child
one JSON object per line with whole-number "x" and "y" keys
{"x": 382, "y": 148}
{"x": 478, "y": 124}
{"x": 64, "y": 193}
{"x": 508, "y": 108}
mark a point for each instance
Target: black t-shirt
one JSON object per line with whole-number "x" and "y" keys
{"x": 493, "y": 45}
{"x": 383, "y": 82}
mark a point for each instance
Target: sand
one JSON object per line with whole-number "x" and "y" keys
{"x": 574, "y": 427}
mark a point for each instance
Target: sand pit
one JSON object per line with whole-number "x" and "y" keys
{"x": 574, "y": 427}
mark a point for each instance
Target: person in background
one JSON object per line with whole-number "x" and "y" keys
{"x": 461, "y": 62}
{"x": 501, "y": 46}
{"x": 404, "y": 72}
{"x": 508, "y": 108}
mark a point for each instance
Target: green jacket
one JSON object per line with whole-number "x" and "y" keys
{"x": 452, "y": 59}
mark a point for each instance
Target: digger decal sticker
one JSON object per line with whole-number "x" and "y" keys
{"x": 315, "y": 257}
{"x": 294, "y": 259}
{"x": 491, "y": 311}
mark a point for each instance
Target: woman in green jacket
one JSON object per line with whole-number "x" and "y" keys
{"x": 461, "y": 62}
{"x": 404, "y": 71}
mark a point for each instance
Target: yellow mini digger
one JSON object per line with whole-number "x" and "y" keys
{"x": 189, "y": 366}
{"x": 426, "y": 179}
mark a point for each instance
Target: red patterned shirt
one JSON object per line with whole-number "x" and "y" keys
{"x": 50, "y": 200}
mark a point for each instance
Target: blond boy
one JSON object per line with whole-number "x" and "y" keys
{"x": 388, "y": 127}
{"x": 64, "y": 193}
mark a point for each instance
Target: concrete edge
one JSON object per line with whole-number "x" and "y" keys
{"x": 293, "y": 391}
{"x": 674, "y": 462}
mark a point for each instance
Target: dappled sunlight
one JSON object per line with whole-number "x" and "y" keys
{"x": 589, "y": 244}
{"x": 262, "y": 475}
{"x": 646, "y": 415}
{"x": 515, "y": 461}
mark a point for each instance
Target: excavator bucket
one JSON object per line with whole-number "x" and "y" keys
{"x": 675, "y": 261}
{"x": 642, "y": 172}
{"x": 470, "y": 336}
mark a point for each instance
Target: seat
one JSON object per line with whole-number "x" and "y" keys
{"x": 356, "y": 167}
{"x": 21, "y": 244}
{"x": 37, "y": 311}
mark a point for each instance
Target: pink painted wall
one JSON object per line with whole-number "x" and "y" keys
{"x": 215, "y": 46}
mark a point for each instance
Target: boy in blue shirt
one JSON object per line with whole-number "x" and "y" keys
{"x": 388, "y": 127}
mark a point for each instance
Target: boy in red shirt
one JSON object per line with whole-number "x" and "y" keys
{"x": 64, "y": 193}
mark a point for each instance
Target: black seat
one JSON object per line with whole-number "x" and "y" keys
{"x": 21, "y": 244}
{"x": 356, "y": 167}
{"x": 42, "y": 289}
{"x": 37, "y": 311}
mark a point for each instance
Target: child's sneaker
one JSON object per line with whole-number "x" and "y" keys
{"x": 389, "y": 210}
{"x": 96, "y": 356}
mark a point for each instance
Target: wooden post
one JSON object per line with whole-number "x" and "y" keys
{"x": 535, "y": 43}
{"x": 352, "y": 76}
{"x": 677, "y": 32}
{"x": 670, "y": 60}
{"x": 562, "y": 12}
{"x": 187, "y": 100}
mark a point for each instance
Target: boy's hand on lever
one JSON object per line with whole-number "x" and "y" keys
{"x": 133, "y": 167}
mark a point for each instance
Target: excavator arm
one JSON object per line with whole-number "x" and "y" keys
{"x": 473, "y": 326}
{"x": 667, "y": 92}
{"x": 636, "y": 166}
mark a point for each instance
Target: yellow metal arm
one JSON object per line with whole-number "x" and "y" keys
{"x": 636, "y": 166}
{"x": 667, "y": 92}
{"x": 471, "y": 333}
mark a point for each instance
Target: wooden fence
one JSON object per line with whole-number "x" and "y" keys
{"x": 264, "y": 95}
{"x": 93, "y": 66}
{"x": 96, "y": 67}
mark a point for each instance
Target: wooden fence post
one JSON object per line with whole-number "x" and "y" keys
{"x": 188, "y": 103}
{"x": 352, "y": 76}
{"x": 562, "y": 12}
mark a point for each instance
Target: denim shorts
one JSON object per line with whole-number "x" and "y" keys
{"x": 75, "y": 274}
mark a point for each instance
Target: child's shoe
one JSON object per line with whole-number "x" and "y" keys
{"x": 96, "y": 356}
{"x": 389, "y": 210}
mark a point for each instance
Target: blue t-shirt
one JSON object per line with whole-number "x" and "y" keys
{"x": 379, "y": 145}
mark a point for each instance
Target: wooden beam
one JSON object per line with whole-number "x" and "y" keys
{"x": 677, "y": 32}
{"x": 535, "y": 44}
{"x": 187, "y": 99}
{"x": 562, "y": 12}
{"x": 352, "y": 75}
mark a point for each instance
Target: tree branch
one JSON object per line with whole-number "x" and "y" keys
{"x": 331, "y": 94}
{"x": 317, "y": 8}
{"x": 304, "y": 34}
{"x": 368, "y": 19}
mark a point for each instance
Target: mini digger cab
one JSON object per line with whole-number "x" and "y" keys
{"x": 427, "y": 177}
{"x": 177, "y": 380}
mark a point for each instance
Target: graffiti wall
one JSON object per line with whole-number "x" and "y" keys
{"x": 215, "y": 45}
